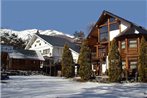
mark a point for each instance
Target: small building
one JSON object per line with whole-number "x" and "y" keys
{"x": 128, "y": 36}
{"x": 5, "y": 49}
{"x": 20, "y": 59}
{"x": 27, "y": 60}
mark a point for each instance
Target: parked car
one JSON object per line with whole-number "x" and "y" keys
{"x": 4, "y": 76}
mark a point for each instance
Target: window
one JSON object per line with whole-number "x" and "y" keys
{"x": 104, "y": 33}
{"x": 37, "y": 41}
{"x": 114, "y": 26}
{"x": 123, "y": 44}
{"x": 46, "y": 51}
{"x": 39, "y": 44}
{"x": 132, "y": 43}
{"x": 112, "y": 19}
{"x": 123, "y": 64}
{"x": 35, "y": 45}
{"x": 133, "y": 64}
{"x": 102, "y": 52}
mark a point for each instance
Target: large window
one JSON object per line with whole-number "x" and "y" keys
{"x": 114, "y": 26}
{"x": 112, "y": 19}
{"x": 132, "y": 43}
{"x": 46, "y": 51}
{"x": 123, "y": 45}
{"x": 104, "y": 33}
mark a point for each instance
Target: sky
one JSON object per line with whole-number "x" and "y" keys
{"x": 67, "y": 16}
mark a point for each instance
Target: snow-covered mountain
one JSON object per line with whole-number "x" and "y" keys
{"x": 26, "y": 34}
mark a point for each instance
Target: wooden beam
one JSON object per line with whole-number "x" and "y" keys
{"x": 138, "y": 44}
{"x": 127, "y": 63}
{"x": 119, "y": 27}
{"x": 98, "y": 36}
{"x": 119, "y": 46}
{"x": 109, "y": 23}
{"x": 108, "y": 34}
{"x": 126, "y": 41}
{"x": 96, "y": 51}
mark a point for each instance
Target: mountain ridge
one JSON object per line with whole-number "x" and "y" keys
{"x": 27, "y": 34}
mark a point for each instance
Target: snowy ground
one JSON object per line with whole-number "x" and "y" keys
{"x": 56, "y": 87}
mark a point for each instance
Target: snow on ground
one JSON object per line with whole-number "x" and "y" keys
{"x": 56, "y": 87}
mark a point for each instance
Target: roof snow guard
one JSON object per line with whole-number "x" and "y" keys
{"x": 26, "y": 54}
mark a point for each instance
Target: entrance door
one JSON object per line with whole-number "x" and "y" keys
{"x": 132, "y": 68}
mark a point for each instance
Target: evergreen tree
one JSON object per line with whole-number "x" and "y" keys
{"x": 79, "y": 36}
{"x": 142, "y": 60}
{"x": 12, "y": 39}
{"x": 115, "y": 63}
{"x": 67, "y": 62}
{"x": 84, "y": 62}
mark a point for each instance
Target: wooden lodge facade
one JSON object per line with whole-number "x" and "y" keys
{"x": 128, "y": 36}
{"x": 20, "y": 59}
{"x": 27, "y": 60}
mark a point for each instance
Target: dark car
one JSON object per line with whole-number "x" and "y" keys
{"x": 4, "y": 76}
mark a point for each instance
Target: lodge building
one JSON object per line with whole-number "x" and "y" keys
{"x": 128, "y": 36}
{"x": 20, "y": 59}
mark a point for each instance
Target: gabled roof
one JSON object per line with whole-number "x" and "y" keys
{"x": 132, "y": 26}
{"x": 133, "y": 30}
{"x": 26, "y": 54}
{"x": 6, "y": 48}
{"x": 60, "y": 42}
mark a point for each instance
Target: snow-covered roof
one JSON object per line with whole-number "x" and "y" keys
{"x": 133, "y": 30}
{"x": 26, "y": 54}
{"x": 58, "y": 41}
{"x": 6, "y": 48}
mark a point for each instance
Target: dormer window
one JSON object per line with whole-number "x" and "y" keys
{"x": 132, "y": 43}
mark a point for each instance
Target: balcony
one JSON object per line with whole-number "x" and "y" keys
{"x": 94, "y": 56}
